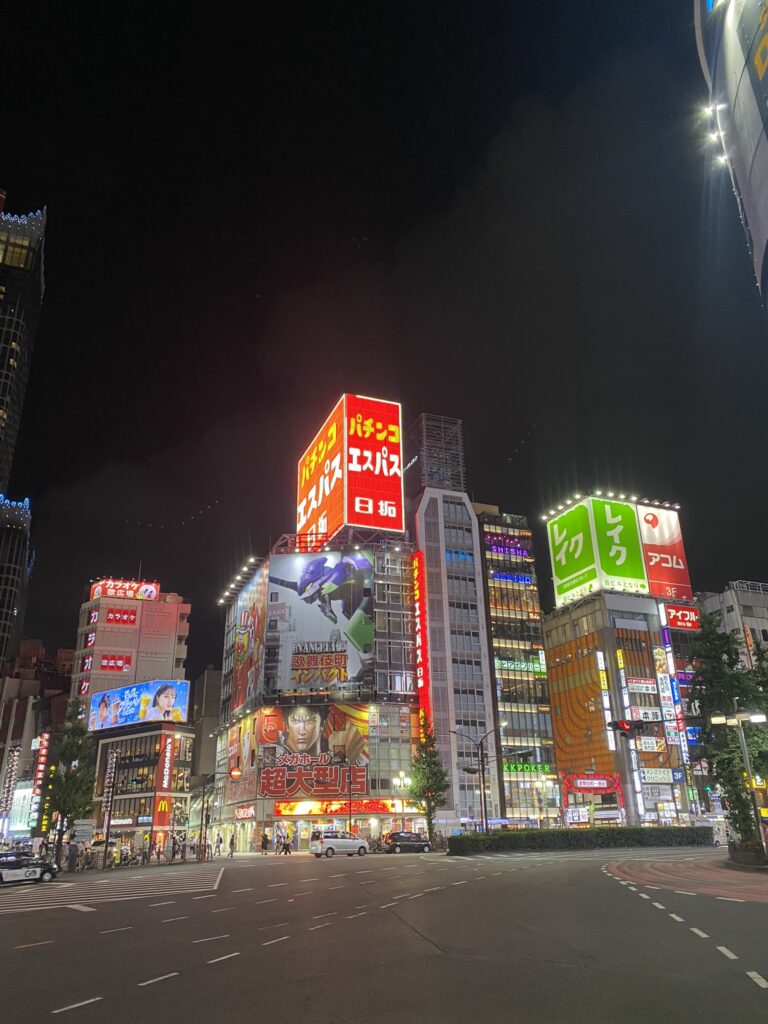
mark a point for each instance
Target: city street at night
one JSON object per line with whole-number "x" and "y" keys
{"x": 433, "y": 938}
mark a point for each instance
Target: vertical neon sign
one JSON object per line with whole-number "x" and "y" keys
{"x": 422, "y": 641}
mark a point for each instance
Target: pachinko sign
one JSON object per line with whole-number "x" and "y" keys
{"x": 306, "y": 775}
{"x": 351, "y": 474}
{"x": 133, "y": 590}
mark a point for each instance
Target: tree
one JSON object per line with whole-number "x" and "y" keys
{"x": 72, "y": 787}
{"x": 429, "y": 780}
{"x": 719, "y": 679}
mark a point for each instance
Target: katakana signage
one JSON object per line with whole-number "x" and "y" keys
{"x": 315, "y": 776}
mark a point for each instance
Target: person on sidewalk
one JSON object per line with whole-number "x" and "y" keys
{"x": 287, "y": 846}
{"x": 232, "y": 845}
{"x": 219, "y": 844}
{"x": 264, "y": 844}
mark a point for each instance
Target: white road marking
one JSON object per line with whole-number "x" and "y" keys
{"x": 109, "y": 931}
{"x": 435, "y": 888}
{"x": 682, "y": 892}
{"x": 653, "y": 887}
{"x": 403, "y": 896}
{"x": 316, "y": 917}
{"x": 46, "y": 942}
{"x": 307, "y": 879}
{"x": 80, "y": 906}
{"x": 758, "y": 979}
{"x": 221, "y": 910}
{"x": 675, "y": 917}
{"x": 276, "y": 885}
{"x": 249, "y": 889}
{"x": 479, "y": 877}
{"x": 366, "y": 871}
{"x": 336, "y": 887}
{"x": 210, "y": 938}
{"x": 418, "y": 894}
{"x": 74, "y": 1006}
{"x": 314, "y": 927}
{"x": 360, "y": 906}
{"x": 273, "y": 941}
{"x": 728, "y": 899}
{"x": 343, "y": 875}
{"x": 633, "y": 888}
{"x": 307, "y": 893}
{"x": 459, "y": 883}
{"x": 643, "y": 896}
{"x": 163, "y": 977}
{"x": 726, "y": 952}
{"x": 273, "y": 900}
{"x": 165, "y": 903}
{"x": 208, "y": 897}
{"x": 497, "y": 873}
{"x": 700, "y": 933}
{"x": 169, "y": 919}
{"x": 385, "y": 905}
{"x": 660, "y": 906}
{"x": 361, "y": 914}
{"x": 218, "y": 959}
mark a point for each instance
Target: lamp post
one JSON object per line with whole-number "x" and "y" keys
{"x": 735, "y": 721}
{"x": 402, "y": 782}
{"x": 480, "y": 747}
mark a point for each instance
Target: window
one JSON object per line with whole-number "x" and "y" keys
{"x": 274, "y": 597}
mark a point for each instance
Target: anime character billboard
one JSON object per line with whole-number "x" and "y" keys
{"x": 249, "y": 638}
{"x": 321, "y": 606}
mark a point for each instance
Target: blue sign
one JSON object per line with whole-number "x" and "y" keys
{"x": 693, "y": 733}
{"x": 159, "y": 700}
{"x": 675, "y": 690}
{"x": 678, "y": 775}
{"x": 513, "y": 577}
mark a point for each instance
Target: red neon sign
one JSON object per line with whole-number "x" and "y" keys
{"x": 682, "y": 616}
{"x": 133, "y": 590}
{"x": 422, "y": 640}
{"x": 340, "y": 807}
{"x": 595, "y": 783}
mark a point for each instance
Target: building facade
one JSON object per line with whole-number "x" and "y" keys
{"x": 319, "y": 707}
{"x": 15, "y": 569}
{"x": 22, "y": 244}
{"x": 447, "y": 534}
{"x": 526, "y": 766}
{"x": 743, "y": 610}
{"x": 129, "y": 670}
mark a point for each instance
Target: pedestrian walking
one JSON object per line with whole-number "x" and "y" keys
{"x": 158, "y": 851}
{"x": 232, "y": 845}
{"x": 144, "y": 852}
{"x": 219, "y": 843}
{"x": 264, "y": 844}
{"x": 287, "y": 846}
{"x": 72, "y": 853}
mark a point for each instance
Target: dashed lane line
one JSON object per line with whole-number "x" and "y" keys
{"x": 659, "y": 906}
{"x": 276, "y": 885}
{"x": 109, "y": 931}
{"x": 222, "y": 910}
{"x": 385, "y": 905}
{"x": 169, "y": 919}
{"x": 249, "y": 889}
{"x": 758, "y": 979}
{"x": 75, "y": 1006}
{"x": 676, "y": 917}
{"x": 336, "y": 887}
{"x": 726, "y": 952}
{"x": 307, "y": 893}
{"x": 729, "y": 899}
{"x": 317, "y": 917}
{"x": 325, "y": 924}
{"x": 273, "y": 900}
{"x": 643, "y": 896}
{"x": 700, "y": 933}
{"x": 273, "y": 941}
{"x": 80, "y": 906}
{"x": 163, "y": 977}
{"x": 209, "y": 938}
{"x": 218, "y": 959}
{"x": 45, "y": 942}
{"x": 683, "y": 892}
{"x": 361, "y": 914}
{"x": 165, "y": 903}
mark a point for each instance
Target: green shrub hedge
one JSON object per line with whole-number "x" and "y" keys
{"x": 578, "y": 839}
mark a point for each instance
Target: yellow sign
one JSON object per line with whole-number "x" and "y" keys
{"x": 620, "y": 657}
{"x": 603, "y": 679}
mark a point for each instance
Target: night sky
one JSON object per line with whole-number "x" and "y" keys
{"x": 502, "y": 212}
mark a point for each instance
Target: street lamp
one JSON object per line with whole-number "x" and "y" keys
{"x": 735, "y": 721}
{"x": 480, "y": 747}
{"x": 402, "y": 782}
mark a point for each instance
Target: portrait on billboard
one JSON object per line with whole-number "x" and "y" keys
{"x": 322, "y": 608}
{"x": 249, "y": 638}
{"x": 158, "y": 700}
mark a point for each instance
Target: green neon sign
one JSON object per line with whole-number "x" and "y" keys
{"x": 535, "y": 769}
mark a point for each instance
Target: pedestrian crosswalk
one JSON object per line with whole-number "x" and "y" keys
{"x": 87, "y": 891}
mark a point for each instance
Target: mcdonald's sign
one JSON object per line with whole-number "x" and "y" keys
{"x": 162, "y": 815}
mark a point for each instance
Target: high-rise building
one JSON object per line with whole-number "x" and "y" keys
{"x": 22, "y": 241}
{"x": 461, "y": 690}
{"x": 129, "y": 669}
{"x": 526, "y": 767}
{"x": 622, "y": 590}
{"x": 743, "y": 610}
{"x": 15, "y": 569}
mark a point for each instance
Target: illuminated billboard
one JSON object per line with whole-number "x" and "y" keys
{"x": 605, "y": 544}
{"x": 159, "y": 700}
{"x": 351, "y": 473}
{"x": 250, "y": 611}
{"x": 421, "y": 638}
{"x": 321, "y": 607}
{"x": 133, "y": 590}
{"x": 664, "y": 554}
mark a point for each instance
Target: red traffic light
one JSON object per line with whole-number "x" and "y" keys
{"x": 624, "y": 726}
{"x": 235, "y": 773}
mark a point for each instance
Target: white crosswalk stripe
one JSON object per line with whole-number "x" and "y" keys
{"x": 157, "y": 882}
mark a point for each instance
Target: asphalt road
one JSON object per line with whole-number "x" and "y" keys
{"x": 539, "y": 939}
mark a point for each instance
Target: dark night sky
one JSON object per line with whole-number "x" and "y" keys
{"x": 497, "y": 211}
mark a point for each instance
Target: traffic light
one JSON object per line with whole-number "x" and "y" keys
{"x": 628, "y": 729}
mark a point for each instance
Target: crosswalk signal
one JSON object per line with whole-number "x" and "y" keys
{"x": 624, "y": 727}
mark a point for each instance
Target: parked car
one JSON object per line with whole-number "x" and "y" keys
{"x": 406, "y": 842}
{"x": 332, "y": 842}
{"x": 26, "y": 869}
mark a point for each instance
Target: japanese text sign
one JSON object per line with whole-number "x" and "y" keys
{"x": 664, "y": 553}
{"x": 681, "y": 616}
{"x": 351, "y": 474}
{"x": 574, "y": 565}
{"x": 134, "y": 590}
{"x": 312, "y": 776}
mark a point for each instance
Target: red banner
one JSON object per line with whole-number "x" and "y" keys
{"x": 374, "y": 464}
{"x": 305, "y": 775}
{"x": 663, "y": 552}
